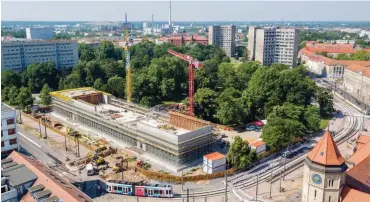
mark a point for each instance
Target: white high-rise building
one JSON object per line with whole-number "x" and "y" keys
{"x": 224, "y": 37}
{"x": 17, "y": 55}
{"x": 273, "y": 45}
{"x": 39, "y": 33}
{"x": 9, "y": 131}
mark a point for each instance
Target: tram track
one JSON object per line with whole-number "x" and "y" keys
{"x": 353, "y": 126}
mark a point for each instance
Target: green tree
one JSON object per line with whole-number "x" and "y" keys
{"x": 116, "y": 86}
{"x": 312, "y": 118}
{"x": 5, "y": 93}
{"x": 10, "y": 78}
{"x": 72, "y": 81}
{"x": 240, "y": 153}
{"x": 279, "y": 132}
{"x": 93, "y": 71}
{"x": 62, "y": 36}
{"x": 106, "y": 50}
{"x": 39, "y": 74}
{"x": 343, "y": 56}
{"x": 24, "y": 98}
{"x": 361, "y": 55}
{"x": 98, "y": 83}
{"x": 45, "y": 96}
{"x": 230, "y": 109}
{"x": 325, "y": 100}
{"x": 205, "y": 103}
{"x": 13, "y": 94}
{"x": 85, "y": 52}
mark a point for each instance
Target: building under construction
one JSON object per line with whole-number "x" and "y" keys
{"x": 175, "y": 138}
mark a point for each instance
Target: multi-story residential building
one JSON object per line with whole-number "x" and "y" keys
{"x": 273, "y": 45}
{"x": 17, "y": 55}
{"x": 9, "y": 132}
{"x": 224, "y": 37}
{"x": 39, "y": 33}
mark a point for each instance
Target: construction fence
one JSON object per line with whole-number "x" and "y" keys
{"x": 173, "y": 178}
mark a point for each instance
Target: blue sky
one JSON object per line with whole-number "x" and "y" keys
{"x": 186, "y": 11}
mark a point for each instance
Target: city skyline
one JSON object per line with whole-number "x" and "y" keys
{"x": 200, "y": 11}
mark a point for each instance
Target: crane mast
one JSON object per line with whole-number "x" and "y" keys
{"x": 128, "y": 65}
{"x": 193, "y": 63}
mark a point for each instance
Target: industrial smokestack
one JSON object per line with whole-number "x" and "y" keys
{"x": 169, "y": 20}
{"x": 152, "y": 21}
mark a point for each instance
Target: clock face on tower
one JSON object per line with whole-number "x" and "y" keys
{"x": 316, "y": 178}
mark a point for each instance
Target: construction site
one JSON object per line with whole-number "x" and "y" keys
{"x": 175, "y": 138}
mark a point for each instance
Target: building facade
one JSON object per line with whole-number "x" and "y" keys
{"x": 39, "y": 33}
{"x": 9, "y": 131}
{"x": 155, "y": 134}
{"x": 224, "y": 37}
{"x": 356, "y": 79}
{"x": 17, "y": 55}
{"x": 273, "y": 45}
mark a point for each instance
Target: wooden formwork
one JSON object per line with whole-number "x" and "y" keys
{"x": 186, "y": 122}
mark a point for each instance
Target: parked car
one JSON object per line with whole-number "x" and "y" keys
{"x": 251, "y": 127}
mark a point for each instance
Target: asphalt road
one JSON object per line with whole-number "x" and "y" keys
{"x": 33, "y": 148}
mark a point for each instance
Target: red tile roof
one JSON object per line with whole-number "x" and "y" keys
{"x": 359, "y": 176}
{"x": 353, "y": 195}
{"x": 326, "y": 152}
{"x": 360, "y": 154}
{"x": 352, "y": 65}
{"x": 51, "y": 180}
{"x": 361, "y": 141}
{"x": 214, "y": 156}
{"x": 257, "y": 143}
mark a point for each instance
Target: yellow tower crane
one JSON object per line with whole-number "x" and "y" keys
{"x": 128, "y": 67}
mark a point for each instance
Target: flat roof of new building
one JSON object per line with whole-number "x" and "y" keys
{"x": 117, "y": 114}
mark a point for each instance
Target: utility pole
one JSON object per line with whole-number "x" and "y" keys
{"x": 46, "y": 134}
{"x": 187, "y": 194}
{"x": 257, "y": 188}
{"x": 271, "y": 184}
{"x": 225, "y": 186}
{"x": 280, "y": 181}
{"x": 65, "y": 140}
{"x": 182, "y": 180}
{"x": 40, "y": 127}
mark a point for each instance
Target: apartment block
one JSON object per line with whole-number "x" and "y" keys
{"x": 17, "y": 55}
{"x": 224, "y": 37}
{"x": 39, "y": 33}
{"x": 9, "y": 132}
{"x": 273, "y": 45}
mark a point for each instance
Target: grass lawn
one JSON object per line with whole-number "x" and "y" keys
{"x": 323, "y": 123}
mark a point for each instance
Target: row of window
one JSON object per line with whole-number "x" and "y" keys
{"x": 11, "y": 142}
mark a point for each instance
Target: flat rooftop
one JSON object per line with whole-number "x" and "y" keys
{"x": 116, "y": 114}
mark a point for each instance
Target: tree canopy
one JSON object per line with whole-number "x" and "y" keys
{"x": 240, "y": 154}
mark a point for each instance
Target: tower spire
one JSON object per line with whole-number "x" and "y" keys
{"x": 326, "y": 152}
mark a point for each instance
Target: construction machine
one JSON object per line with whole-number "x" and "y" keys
{"x": 118, "y": 166}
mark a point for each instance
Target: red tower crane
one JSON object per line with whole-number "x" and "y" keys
{"x": 193, "y": 63}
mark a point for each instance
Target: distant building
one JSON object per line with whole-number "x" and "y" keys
{"x": 182, "y": 40}
{"x": 273, "y": 45}
{"x": 9, "y": 131}
{"x": 214, "y": 162}
{"x": 224, "y": 37}
{"x": 25, "y": 179}
{"x": 39, "y": 33}
{"x": 17, "y": 55}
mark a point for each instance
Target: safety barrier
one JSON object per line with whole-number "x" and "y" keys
{"x": 173, "y": 178}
